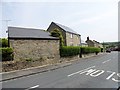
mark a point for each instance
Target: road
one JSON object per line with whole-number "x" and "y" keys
{"x": 95, "y": 72}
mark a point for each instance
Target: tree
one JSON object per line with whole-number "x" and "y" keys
{"x": 56, "y": 33}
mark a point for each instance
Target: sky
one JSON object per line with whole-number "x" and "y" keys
{"x": 97, "y": 19}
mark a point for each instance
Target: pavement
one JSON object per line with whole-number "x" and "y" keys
{"x": 31, "y": 71}
{"x": 39, "y": 69}
{"x": 94, "y": 72}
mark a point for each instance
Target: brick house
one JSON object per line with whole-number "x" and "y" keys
{"x": 71, "y": 38}
{"x": 93, "y": 43}
{"x": 33, "y": 44}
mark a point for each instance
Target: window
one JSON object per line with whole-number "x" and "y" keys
{"x": 71, "y": 35}
{"x": 71, "y": 43}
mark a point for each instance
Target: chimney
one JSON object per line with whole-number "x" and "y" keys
{"x": 88, "y": 38}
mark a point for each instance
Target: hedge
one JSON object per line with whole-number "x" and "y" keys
{"x": 86, "y": 50}
{"x": 66, "y": 51}
{"x": 6, "y": 53}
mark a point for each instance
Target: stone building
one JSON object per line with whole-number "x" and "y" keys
{"x": 30, "y": 43}
{"x": 93, "y": 43}
{"x": 84, "y": 44}
{"x": 71, "y": 38}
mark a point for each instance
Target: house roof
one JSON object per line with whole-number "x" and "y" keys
{"x": 67, "y": 29}
{"x": 95, "y": 41}
{"x": 83, "y": 42}
{"x": 89, "y": 41}
{"x": 29, "y": 33}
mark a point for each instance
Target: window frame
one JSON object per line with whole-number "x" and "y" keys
{"x": 71, "y": 35}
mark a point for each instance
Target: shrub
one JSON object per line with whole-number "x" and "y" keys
{"x": 86, "y": 50}
{"x": 56, "y": 33}
{"x": 66, "y": 51}
{"x": 6, "y": 53}
{"x": 4, "y": 42}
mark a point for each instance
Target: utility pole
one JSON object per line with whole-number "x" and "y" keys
{"x": 6, "y": 29}
{"x": 6, "y": 26}
{"x": 103, "y": 47}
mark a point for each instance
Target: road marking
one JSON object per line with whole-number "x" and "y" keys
{"x": 118, "y": 74}
{"x": 32, "y": 87}
{"x": 80, "y": 71}
{"x": 87, "y": 71}
{"x": 97, "y": 73}
{"x": 106, "y": 61}
{"x": 110, "y": 75}
{"x": 115, "y": 80}
{"x": 92, "y": 72}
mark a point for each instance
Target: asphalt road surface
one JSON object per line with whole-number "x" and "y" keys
{"x": 95, "y": 72}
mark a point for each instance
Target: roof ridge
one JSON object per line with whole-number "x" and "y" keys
{"x": 26, "y": 28}
{"x": 64, "y": 27}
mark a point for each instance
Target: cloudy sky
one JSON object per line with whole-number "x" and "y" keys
{"x": 97, "y": 19}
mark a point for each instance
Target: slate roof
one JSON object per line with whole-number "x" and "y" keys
{"x": 83, "y": 42}
{"x": 28, "y": 33}
{"x": 67, "y": 29}
{"x": 93, "y": 41}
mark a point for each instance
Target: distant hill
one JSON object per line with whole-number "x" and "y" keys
{"x": 112, "y": 45}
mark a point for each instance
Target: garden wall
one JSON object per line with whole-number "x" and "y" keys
{"x": 35, "y": 49}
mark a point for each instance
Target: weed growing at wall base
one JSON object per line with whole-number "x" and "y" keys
{"x": 6, "y": 53}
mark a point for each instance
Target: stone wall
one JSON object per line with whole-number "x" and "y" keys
{"x": 88, "y": 55}
{"x": 75, "y": 40}
{"x": 71, "y": 58}
{"x": 35, "y": 49}
{"x": 90, "y": 43}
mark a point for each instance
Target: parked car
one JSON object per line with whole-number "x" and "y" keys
{"x": 109, "y": 51}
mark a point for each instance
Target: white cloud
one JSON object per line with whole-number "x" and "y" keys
{"x": 103, "y": 17}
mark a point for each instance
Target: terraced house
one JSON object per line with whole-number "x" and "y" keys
{"x": 93, "y": 43}
{"x": 71, "y": 38}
